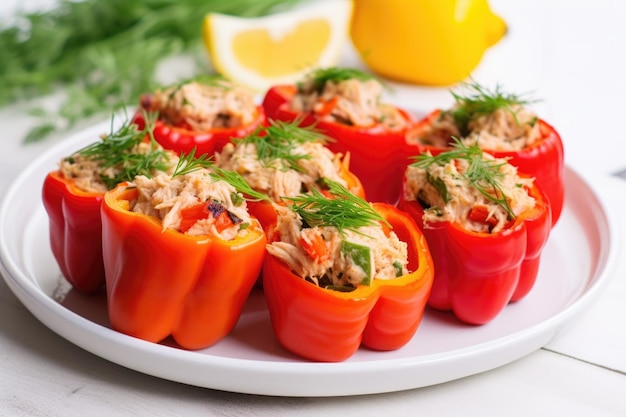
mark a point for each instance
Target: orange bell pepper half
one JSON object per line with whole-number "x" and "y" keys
{"x": 325, "y": 325}
{"x": 161, "y": 283}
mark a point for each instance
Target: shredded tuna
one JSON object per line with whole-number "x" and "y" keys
{"x": 438, "y": 132}
{"x": 463, "y": 197}
{"x": 277, "y": 180}
{"x": 164, "y": 196}
{"x": 388, "y": 252}
{"x": 505, "y": 129}
{"x": 201, "y": 107}
{"x": 352, "y": 102}
{"x": 85, "y": 173}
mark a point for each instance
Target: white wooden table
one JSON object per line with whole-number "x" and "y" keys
{"x": 572, "y": 54}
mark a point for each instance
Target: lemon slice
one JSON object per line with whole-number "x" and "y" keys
{"x": 279, "y": 48}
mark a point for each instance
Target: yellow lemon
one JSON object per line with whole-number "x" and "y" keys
{"x": 432, "y": 42}
{"x": 279, "y": 48}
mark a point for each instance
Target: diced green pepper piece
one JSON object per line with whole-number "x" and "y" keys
{"x": 361, "y": 256}
{"x": 398, "y": 267}
{"x": 440, "y": 186}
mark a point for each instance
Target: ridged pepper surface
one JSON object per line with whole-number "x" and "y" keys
{"x": 75, "y": 231}
{"x": 325, "y": 325}
{"x": 478, "y": 274}
{"x": 163, "y": 282}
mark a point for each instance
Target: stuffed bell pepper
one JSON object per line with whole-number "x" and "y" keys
{"x": 201, "y": 114}
{"x": 181, "y": 254}
{"x": 72, "y": 196}
{"x": 345, "y": 104}
{"x": 285, "y": 160}
{"x": 341, "y": 272}
{"x": 486, "y": 226}
{"x": 503, "y": 125}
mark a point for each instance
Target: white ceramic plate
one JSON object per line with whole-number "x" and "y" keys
{"x": 577, "y": 261}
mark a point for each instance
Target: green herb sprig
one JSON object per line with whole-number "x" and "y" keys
{"x": 344, "y": 210}
{"x": 103, "y": 53}
{"x": 239, "y": 183}
{"x": 482, "y": 174}
{"x": 188, "y": 163}
{"x": 275, "y": 144}
{"x": 480, "y": 101}
{"x": 116, "y": 150}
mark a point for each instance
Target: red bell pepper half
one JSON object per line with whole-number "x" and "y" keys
{"x": 376, "y": 156}
{"x": 75, "y": 232}
{"x": 181, "y": 137}
{"x": 326, "y": 325}
{"x": 74, "y": 214}
{"x": 478, "y": 274}
{"x": 184, "y": 140}
{"x": 543, "y": 159}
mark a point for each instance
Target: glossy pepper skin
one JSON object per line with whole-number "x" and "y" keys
{"x": 376, "y": 156}
{"x": 478, "y": 274}
{"x": 329, "y": 326}
{"x": 75, "y": 231}
{"x": 162, "y": 283}
{"x": 182, "y": 139}
{"x": 543, "y": 160}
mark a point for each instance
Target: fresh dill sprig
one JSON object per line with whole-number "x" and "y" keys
{"x": 276, "y": 144}
{"x": 480, "y": 101}
{"x": 321, "y": 76}
{"x": 188, "y": 162}
{"x": 344, "y": 210}
{"x": 238, "y": 182}
{"x": 117, "y": 150}
{"x": 483, "y": 174}
{"x": 103, "y": 53}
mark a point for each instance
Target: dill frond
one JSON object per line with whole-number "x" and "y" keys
{"x": 344, "y": 210}
{"x": 118, "y": 150}
{"x": 276, "y": 144}
{"x": 480, "y": 101}
{"x": 483, "y": 174}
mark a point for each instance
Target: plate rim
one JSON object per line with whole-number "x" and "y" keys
{"x": 73, "y": 325}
